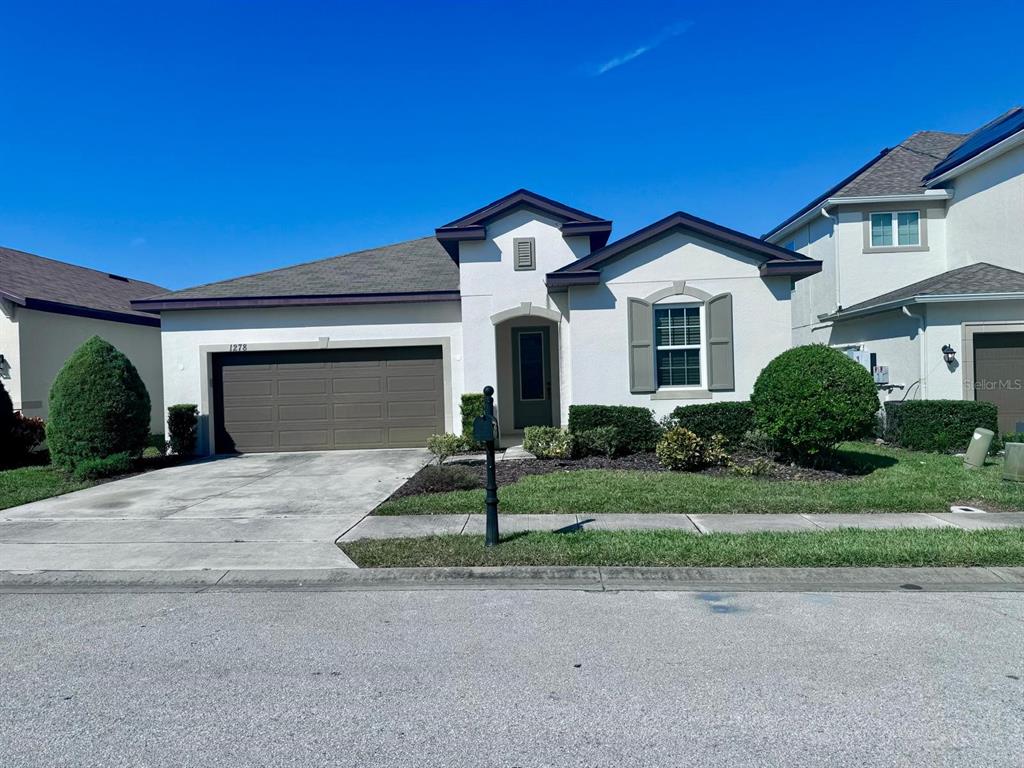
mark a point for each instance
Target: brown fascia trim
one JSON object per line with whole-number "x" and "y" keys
{"x": 599, "y": 231}
{"x": 557, "y": 280}
{"x": 74, "y": 310}
{"x": 796, "y": 269}
{"x": 159, "y": 305}
{"x": 518, "y": 198}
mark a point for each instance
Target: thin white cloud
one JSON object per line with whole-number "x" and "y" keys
{"x": 665, "y": 35}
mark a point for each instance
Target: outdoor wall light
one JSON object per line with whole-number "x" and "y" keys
{"x": 948, "y": 353}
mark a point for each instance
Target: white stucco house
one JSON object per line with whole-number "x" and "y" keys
{"x": 375, "y": 348}
{"x": 49, "y": 308}
{"x": 922, "y": 253}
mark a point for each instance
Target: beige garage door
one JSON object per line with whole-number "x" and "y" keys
{"x": 315, "y": 400}
{"x": 999, "y": 376}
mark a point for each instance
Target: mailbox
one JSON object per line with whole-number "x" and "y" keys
{"x": 485, "y": 429}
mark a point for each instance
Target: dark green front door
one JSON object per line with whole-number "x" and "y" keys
{"x": 531, "y": 377}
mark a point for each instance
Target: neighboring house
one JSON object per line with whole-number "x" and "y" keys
{"x": 923, "y": 266}
{"x": 375, "y": 348}
{"x": 49, "y": 308}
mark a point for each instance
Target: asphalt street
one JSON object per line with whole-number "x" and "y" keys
{"x": 511, "y": 678}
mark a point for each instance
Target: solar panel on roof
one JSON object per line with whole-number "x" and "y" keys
{"x": 985, "y": 137}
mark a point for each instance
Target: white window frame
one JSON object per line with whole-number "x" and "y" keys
{"x": 895, "y": 230}
{"x": 701, "y": 347}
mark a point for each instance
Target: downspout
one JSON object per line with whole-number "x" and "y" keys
{"x": 835, "y": 236}
{"x": 922, "y": 357}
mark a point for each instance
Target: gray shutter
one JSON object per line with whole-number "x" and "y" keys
{"x": 721, "y": 367}
{"x": 641, "y": 346}
{"x": 523, "y": 253}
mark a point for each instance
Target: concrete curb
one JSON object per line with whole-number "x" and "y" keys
{"x": 527, "y": 578}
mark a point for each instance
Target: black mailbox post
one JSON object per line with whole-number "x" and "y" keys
{"x": 485, "y": 430}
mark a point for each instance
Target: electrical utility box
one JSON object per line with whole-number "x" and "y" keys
{"x": 880, "y": 373}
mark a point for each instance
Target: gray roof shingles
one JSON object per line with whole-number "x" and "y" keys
{"x": 413, "y": 266}
{"x": 981, "y": 278}
{"x": 901, "y": 171}
{"x": 25, "y": 277}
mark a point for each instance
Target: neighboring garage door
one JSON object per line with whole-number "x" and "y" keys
{"x": 999, "y": 376}
{"x": 314, "y": 400}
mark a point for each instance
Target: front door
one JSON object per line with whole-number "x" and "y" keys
{"x": 531, "y": 377}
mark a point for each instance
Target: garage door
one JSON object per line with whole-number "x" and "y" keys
{"x": 314, "y": 400}
{"x": 999, "y": 376}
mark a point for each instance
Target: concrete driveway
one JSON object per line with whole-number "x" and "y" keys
{"x": 258, "y": 511}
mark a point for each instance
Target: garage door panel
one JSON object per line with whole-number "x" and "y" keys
{"x": 999, "y": 375}
{"x": 367, "y": 410}
{"x": 325, "y": 399}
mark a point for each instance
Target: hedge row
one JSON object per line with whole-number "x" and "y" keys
{"x": 635, "y": 427}
{"x": 730, "y": 420}
{"x": 937, "y": 425}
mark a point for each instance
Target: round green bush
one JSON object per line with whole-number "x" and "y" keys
{"x": 810, "y": 398}
{"x": 98, "y": 407}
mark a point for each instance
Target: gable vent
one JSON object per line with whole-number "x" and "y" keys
{"x": 524, "y": 253}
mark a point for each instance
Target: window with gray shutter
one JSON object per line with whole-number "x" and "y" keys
{"x": 721, "y": 367}
{"x": 641, "y": 346}
{"x": 524, "y": 253}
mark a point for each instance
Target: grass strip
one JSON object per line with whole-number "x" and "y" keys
{"x": 27, "y": 484}
{"x": 899, "y": 481}
{"x": 839, "y": 548}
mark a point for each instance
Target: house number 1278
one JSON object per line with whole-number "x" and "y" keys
{"x": 238, "y": 347}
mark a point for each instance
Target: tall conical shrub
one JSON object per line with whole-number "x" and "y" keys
{"x": 99, "y": 406}
{"x": 7, "y": 440}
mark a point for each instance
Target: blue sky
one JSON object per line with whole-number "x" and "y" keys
{"x": 185, "y": 142}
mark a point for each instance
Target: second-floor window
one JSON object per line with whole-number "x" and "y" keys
{"x": 895, "y": 229}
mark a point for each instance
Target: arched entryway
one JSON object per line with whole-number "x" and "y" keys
{"x": 527, "y": 350}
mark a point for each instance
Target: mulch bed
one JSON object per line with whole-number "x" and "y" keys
{"x": 513, "y": 470}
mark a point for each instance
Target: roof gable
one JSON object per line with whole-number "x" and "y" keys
{"x": 774, "y": 259}
{"x": 36, "y": 282}
{"x": 573, "y": 222}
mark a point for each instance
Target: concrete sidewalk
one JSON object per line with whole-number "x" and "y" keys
{"x": 399, "y": 526}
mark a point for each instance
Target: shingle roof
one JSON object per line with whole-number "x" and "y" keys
{"x": 897, "y": 170}
{"x": 412, "y": 267}
{"x": 975, "y": 279}
{"x": 37, "y": 282}
{"x": 901, "y": 170}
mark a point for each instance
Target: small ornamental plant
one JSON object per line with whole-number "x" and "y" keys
{"x": 681, "y": 449}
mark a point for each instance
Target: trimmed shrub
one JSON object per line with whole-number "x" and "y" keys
{"x": 472, "y": 406}
{"x": 107, "y": 466}
{"x": 182, "y": 426}
{"x": 446, "y": 445}
{"x": 435, "y": 479}
{"x": 547, "y": 442}
{"x": 810, "y": 398}
{"x": 731, "y": 420}
{"x": 599, "y": 441}
{"x": 637, "y": 430}
{"x": 757, "y": 442}
{"x": 8, "y": 449}
{"x": 942, "y": 426}
{"x": 1013, "y": 437}
{"x": 156, "y": 445}
{"x": 28, "y": 433}
{"x": 98, "y": 407}
{"x": 681, "y": 449}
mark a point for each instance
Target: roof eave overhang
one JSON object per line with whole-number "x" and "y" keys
{"x": 561, "y": 280}
{"x": 76, "y": 310}
{"x": 794, "y": 269}
{"x": 997, "y": 149}
{"x": 921, "y": 197}
{"x": 244, "y": 302}
{"x": 937, "y": 298}
{"x": 597, "y": 231}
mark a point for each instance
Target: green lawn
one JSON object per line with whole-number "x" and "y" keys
{"x": 20, "y": 486}
{"x": 844, "y": 547}
{"x": 902, "y": 481}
